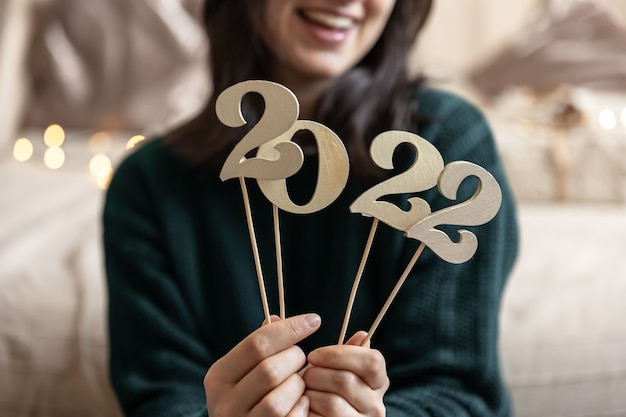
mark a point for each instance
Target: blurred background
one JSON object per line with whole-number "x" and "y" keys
{"x": 81, "y": 83}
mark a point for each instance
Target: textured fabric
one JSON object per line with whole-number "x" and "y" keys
{"x": 116, "y": 64}
{"x": 183, "y": 288}
{"x": 547, "y": 53}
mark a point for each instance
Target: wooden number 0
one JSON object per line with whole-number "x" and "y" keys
{"x": 333, "y": 169}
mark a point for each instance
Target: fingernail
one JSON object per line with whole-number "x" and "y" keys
{"x": 303, "y": 404}
{"x": 313, "y": 320}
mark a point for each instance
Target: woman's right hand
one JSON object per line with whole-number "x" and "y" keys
{"x": 259, "y": 376}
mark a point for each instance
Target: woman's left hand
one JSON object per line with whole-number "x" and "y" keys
{"x": 346, "y": 380}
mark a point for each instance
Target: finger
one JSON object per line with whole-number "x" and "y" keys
{"x": 262, "y": 343}
{"x": 358, "y": 338}
{"x": 343, "y": 383}
{"x": 329, "y": 404}
{"x": 368, "y": 364}
{"x": 269, "y": 374}
{"x": 302, "y": 371}
{"x": 301, "y": 409}
{"x": 281, "y": 400}
{"x": 273, "y": 318}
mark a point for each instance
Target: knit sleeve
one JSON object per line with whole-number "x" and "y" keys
{"x": 441, "y": 335}
{"x": 157, "y": 358}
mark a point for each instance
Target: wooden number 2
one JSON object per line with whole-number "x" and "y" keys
{"x": 281, "y": 112}
{"x": 333, "y": 169}
{"x": 421, "y": 176}
{"x": 478, "y": 210}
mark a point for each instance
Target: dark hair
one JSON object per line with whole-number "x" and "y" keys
{"x": 373, "y": 97}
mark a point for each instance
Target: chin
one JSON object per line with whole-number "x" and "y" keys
{"x": 324, "y": 72}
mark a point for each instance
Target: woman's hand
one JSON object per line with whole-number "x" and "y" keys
{"x": 346, "y": 380}
{"x": 259, "y": 376}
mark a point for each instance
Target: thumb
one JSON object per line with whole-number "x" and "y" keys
{"x": 358, "y": 338}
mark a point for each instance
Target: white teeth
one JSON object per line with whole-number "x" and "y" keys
{"x": 331, "y": 20}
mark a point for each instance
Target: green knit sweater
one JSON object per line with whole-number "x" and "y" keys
{"x": 183, "y": 288}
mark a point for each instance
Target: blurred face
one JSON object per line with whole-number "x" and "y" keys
{"x": 321, "y": 38}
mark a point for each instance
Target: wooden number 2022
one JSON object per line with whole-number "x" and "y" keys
{"x": 278, "y": 158}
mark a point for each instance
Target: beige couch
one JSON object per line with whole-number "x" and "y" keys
{"x": 53, "y": 346}
{"x": 562, "y": 337}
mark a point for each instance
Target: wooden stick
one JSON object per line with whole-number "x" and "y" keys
{"x": 279, "y": 263}
{"x": 357, "y": 280}
{"x": 394, "y": 292}
{"x": 255, "y": 249}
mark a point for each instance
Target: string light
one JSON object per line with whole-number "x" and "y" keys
{"x": 23, "y": 149}
{"x": 100, "y": 144}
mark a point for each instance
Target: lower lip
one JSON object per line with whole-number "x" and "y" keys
{"x": 325, "y": 35}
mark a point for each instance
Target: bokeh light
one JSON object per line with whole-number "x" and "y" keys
{"x": 23, "y": 149}
{"x": 132, "y": 142}
{"x": 607, "y": 119}
{"x": 100, "y": 142}
{"x": 623, "y": 116}
{"x": 100, "y": 166}
{"x": 103, "y": 182}
{"x": 54, "y": 158}
{"x": 54, "y": 136}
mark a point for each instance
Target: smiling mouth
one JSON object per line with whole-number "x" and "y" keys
{"x": 328, "y": 20}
